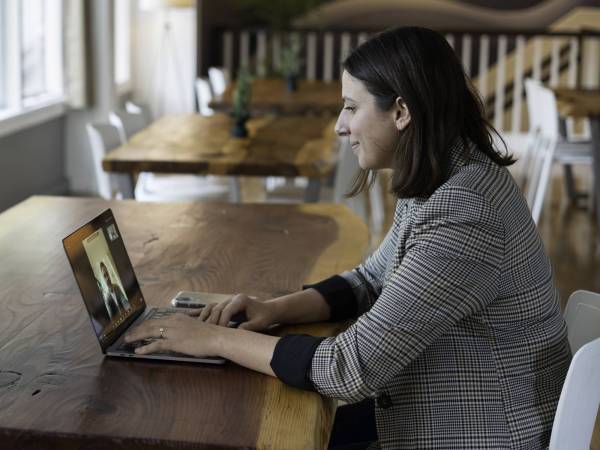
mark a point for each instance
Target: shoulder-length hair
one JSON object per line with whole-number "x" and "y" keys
{"x": 419, "y": 66}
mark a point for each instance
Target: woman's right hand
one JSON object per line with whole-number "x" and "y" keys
{"x": 259, "y": 315}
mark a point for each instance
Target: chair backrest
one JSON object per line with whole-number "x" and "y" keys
{"x": 582, "y": 316}
{"x": 204, "y": 96}
{"x": 127, "y": 123}
{"x": 540, "y": 165}
{"x": 578, "y": 405}
{"x": 219, "y": 79}
{"x": 104, "y": 137}
{"x": 139, "y": 108}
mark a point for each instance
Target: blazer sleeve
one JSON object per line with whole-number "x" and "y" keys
{"x": 450, "y": 271}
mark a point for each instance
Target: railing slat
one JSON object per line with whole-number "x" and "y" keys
{"x": 228, "y": 51}
{"x": 311, "y": 56}
{"x": 346, "y": 45}
{"x": 450, "y": 39}
{"x": 501, "y": 67}
{"x": 276, "y": 52}
{"x": 537, "y": 58}
{"x": 261, "y": 53}
{"x": 554, "y": 62}
{"x": 244, "y": 48}
{"x": 362, "y": 37}
{"x": 484, "y": 58}
{"x": 518, "y": 85}
{"x": 466, "y": 53}
{"x": 328, "y": 57}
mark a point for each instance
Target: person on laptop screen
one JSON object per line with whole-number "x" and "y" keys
{"x": 115, "y": 300}
{"x": 458, "y": 340}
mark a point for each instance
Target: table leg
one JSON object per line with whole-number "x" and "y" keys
{"x": 235, "y": 191}
{"x": 313, "y": 190}
{"x": 595, "y": 129}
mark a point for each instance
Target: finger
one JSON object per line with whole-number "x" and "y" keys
{"x": 216, "y": 312}
{"x": 194, "y": 312}
{"x": 251, "y": 326}
{"x": 146, "y": 330}
{"x": 153, "y": 347}
{"x": 206, "y": 311}
{"x": 236, "y": 306}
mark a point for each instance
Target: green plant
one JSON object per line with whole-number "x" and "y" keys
{"x": 242, "y": 95}
{"x": 291, "y": 62}
{"x": 276, "y": 14}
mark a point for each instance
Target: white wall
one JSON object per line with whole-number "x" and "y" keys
{"x": 164, "y": 59}
{"x": 78, "y": 160}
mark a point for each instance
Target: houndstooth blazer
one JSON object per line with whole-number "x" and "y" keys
{"x": 459, "y": 335}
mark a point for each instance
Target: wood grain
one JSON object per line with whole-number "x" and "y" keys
{"x": 578, "y": 102}
{"x": 278, "y": 146}
{"x": 58, "y": 391}
{"x": 270, "y": 95}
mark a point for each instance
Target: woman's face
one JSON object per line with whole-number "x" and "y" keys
{"x": 372, "y": 133}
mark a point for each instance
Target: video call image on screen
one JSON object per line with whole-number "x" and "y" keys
{"x": 111, "y": 303}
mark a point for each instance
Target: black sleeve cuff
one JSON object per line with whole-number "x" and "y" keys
{"x": 339, "y": 295}
{"x": 292, "y": 359}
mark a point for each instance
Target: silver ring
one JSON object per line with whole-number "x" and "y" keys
{"x": 162, "y": 330}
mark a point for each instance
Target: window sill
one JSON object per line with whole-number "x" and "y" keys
{"x": 12, "y": 121}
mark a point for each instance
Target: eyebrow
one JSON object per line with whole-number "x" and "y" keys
{"x": 348, "y": 98}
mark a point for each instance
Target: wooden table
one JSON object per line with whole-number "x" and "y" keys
{"x": 585, "y": 103}
{"x": 270, "y": 95}
{"x": 58, "y": 391}
{"x": 287, "y": 146}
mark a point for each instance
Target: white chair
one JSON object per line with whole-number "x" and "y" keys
{"x": 203, "y": 96}
{"x": 219, "y": 79}
{"x": 102, "y": 138}
{"x": 150, "y": 187}
{"x": 566, "y": 153}
{"x": 582, "y": 316}
{"x": 127, "y": 123}
{"x": 539, "y": 165}
{"x": 578, "y": 404}
{"x": 139, "y": 108}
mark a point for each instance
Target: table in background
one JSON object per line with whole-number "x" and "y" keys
{"x": 270, "y": 95}
{"x": 289, "y": 146}
{"x": 58, "y": 391}
{"x": 585, "y": 103}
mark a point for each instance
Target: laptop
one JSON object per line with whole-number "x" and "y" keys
{"x": 111, "y": 292}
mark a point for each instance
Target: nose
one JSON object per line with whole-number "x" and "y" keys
{"x": 341, "y": 127}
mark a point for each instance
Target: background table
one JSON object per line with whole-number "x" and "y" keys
{"x": 585, "y": 103}
{"x": 270, "y": 95}
{"x": 276, "y": 146}
{"x": 58, "y": 391}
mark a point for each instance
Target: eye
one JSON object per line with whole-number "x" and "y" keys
{"x": 350, "y": 108}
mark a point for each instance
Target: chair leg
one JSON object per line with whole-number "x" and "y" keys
{"x": 570, "y": 183}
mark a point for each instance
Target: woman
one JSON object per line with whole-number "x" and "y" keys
{"x": 458, "y": 336}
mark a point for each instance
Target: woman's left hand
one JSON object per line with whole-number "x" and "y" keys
{"x": 180, "y": 333}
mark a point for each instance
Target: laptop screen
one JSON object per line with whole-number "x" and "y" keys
{"x": 105, "y": 277}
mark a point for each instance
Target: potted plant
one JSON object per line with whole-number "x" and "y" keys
{"x": 241, "y": 103}
{"x": 291, "y": 62}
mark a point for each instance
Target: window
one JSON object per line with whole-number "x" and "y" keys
{"x": 122, "y": 44}
{"x": 31, "y": 71}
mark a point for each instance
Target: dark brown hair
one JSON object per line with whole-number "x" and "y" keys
{"x": 419, "y": 66}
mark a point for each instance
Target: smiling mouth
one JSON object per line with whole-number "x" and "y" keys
{"x": 354, "y": 144}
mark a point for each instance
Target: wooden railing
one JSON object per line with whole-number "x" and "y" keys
{"x": 497, "y": 63}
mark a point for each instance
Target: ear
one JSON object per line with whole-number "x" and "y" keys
{"x": 401, "y": 114}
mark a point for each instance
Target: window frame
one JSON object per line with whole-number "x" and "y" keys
{"x": 124, "y": 85}
{"x": 17, "y": 113}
